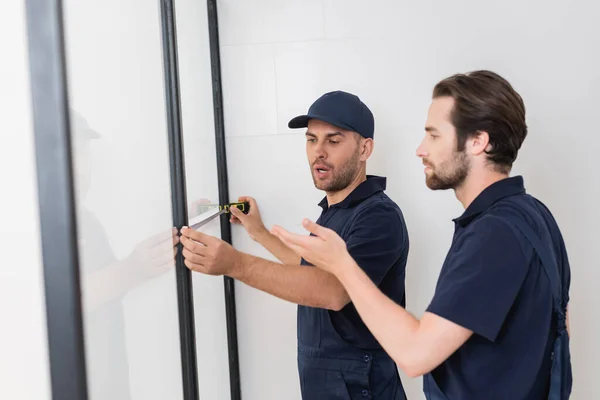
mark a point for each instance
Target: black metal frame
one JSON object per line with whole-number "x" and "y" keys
{"x": 215, "y": 61}
{"x": 56, "y": 199}
{"x": 185, "y": 297}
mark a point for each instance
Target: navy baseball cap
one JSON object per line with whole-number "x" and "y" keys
{"x": 341, "y": 109}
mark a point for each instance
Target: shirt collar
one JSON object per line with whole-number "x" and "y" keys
{"x": 372, "y": 185}
{"x": 489, "y": 196}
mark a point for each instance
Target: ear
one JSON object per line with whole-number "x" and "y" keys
{"x": 479, "y": 143}
{"x": 366, "y": 146}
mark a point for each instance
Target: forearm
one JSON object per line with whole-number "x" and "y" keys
{"x": 104, "y": 285}
{"x": 396, "y": 329}
{"x": 277, "y": 248}
{"x": 298, "y": 284}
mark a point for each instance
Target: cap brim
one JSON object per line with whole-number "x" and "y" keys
{"x": 80, "y": 127}
{"x": 301, "y": 121}
{"x": 92, "y": 134}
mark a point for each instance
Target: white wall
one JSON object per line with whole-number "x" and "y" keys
{"x": 280, "y": 56}
{"x": 24, "y": 372}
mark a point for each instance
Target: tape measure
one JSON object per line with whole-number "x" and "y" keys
{"x": 201, "y": 220}
{"x": 243, "y": 206}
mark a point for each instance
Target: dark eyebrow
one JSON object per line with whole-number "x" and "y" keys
{"x": 430, "y": 129}
{"x": 329, "y": 135}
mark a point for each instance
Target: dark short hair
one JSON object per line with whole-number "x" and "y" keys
{"x": 484, "y": 101}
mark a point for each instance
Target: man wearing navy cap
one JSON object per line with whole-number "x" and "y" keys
{"x": 496, "y": 328}
{"x": 338, "y": 358}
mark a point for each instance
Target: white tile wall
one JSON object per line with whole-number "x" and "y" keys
{"x": 391, "y": 54}
{"x": 267, "y": 21}
{"x": 306, "y": 70}
{"x": 246, "y": 71}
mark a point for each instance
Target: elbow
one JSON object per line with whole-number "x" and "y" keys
{"x": 413, "y": 371}
{"x": 337, "y": 303}
{"x": 413, "y": 367}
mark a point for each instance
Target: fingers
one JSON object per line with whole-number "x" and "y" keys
{"x": 197, "y": 236}
{"x": 237, "y": 213}
{"x": 193, "y": 266}
{"x": 315, "y": 228}
{"x": 193, "y": 246}
{"x": 280, "y": 232}
{"x": 235, "y": 216}
{"x": 175, "y": 236}
{"x": 159, "y": 239}
{"x": 167, "y": 258}
{"x": 167, "y": 264}
{"x": 292, "y": 240}
{"x": 284, "y": 235}
{"x": 251, "y": 202}
{"x": 166, "y": 267}
{"x": 154, "y": 252}
{"x": 192, "y": 257}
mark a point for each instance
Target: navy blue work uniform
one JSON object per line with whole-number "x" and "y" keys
{"x": 493, "y": 283}
{"x": 338, "y": 358}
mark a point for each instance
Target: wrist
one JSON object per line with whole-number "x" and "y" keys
{"x": 261, "y": 235}
{"x": 129, "y": 272}
{"x": 238, "y": 267}
{"x": 345, "y": 268}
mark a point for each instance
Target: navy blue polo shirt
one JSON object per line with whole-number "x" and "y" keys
{"x": 374, "y": 230}
{"x": 492, "y": 283}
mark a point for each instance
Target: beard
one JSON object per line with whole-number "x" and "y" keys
{"x": 448, "y": 174}
{"x": 341, "y": 177}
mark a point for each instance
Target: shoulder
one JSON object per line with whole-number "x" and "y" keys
{"x": 378, "y": 207}
{"x": 492, "y": 233}
{"x": 378, "y": 217}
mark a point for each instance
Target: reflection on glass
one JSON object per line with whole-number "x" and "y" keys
{"x": 123, "y": 196}
{"x": 106, "y": 279}
{"x": 103, "y": 282}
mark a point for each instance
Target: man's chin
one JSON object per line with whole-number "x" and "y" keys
{"x": 434, "y": 184}
{"x": 321, "y": 185}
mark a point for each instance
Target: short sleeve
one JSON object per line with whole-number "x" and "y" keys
{"x": 481, "y": 278}
{"x": 377, "y": 239}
